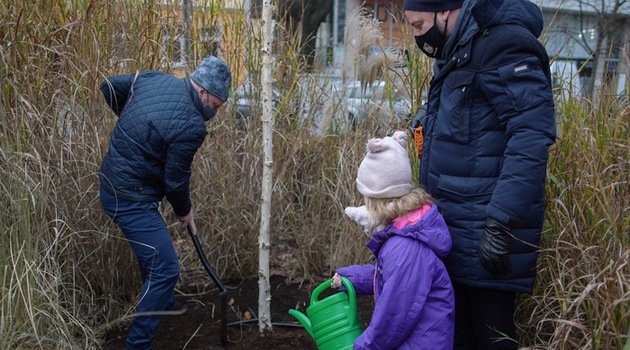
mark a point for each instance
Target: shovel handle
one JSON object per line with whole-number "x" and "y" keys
{"x": 215, "y": 277}
{"x": 204, "y": 261}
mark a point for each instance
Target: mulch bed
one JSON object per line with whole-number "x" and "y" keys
{"x": 199, "y": 327}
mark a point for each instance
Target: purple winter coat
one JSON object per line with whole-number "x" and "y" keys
{"x": 414, "y": 300}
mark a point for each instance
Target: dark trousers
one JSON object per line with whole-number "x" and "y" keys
{"x": 484, "y": 318}
{"x": 149, "y": 238}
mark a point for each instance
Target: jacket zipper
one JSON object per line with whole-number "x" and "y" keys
{"x": 462, "y": 104}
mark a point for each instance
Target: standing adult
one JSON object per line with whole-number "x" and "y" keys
{"x": 487, "y": 132}
{"x": 161, "y": 124}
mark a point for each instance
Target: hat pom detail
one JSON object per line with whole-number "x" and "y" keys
{"x": 401, "y": 138}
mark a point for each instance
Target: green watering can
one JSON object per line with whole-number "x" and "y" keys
{"x": 333, "y": 322}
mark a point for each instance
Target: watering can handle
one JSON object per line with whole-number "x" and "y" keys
{"x": 352, "y": 296}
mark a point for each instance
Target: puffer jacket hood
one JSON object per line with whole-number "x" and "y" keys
{"x": 478, "y": 15}
{"x": 490, "y": 13}
{"x": 429, "y": 230}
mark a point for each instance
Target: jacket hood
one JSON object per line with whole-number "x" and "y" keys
{"x": 481, "y": 14}
{"x": 431, "y": 230}
{"x": 525, "y": 13}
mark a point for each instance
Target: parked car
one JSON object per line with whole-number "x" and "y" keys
{"x": 327, "y": 104}
{"x": 361, "y": 100}
{"x": 324, "y": 102}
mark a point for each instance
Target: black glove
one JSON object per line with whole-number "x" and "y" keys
{"x": 494, "y": 247}
{"x": 418, "y": 118}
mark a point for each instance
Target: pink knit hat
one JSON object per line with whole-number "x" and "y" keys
{"x": 385, "y": 172}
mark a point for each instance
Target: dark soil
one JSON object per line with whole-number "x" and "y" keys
{"x": 199, "y": 327}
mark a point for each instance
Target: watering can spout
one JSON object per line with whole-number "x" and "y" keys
{"x": 304, "y": 320}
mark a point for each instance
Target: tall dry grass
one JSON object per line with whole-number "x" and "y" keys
{"x": 67, "y": 272}
{"x": 582, "y": 300}
{"x": 57, "y": 284}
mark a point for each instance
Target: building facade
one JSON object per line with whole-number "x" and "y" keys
{"x": 574, "y": 35}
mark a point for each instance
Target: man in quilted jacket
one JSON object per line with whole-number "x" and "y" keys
{"x": 487, "y": 131}
{"x": 161, "y": 124}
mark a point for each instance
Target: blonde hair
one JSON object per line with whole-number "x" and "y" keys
{"x": 382, "y": 211}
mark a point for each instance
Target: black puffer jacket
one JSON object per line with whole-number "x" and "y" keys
{"x": 489, "y": 125}
{"x": 159, "y": 129}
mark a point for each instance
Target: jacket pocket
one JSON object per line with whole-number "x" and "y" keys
{"x": 453, "y": 122}
{"x": 466, "y": 187}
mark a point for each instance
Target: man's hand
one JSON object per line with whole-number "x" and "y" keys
{"x": 494, "y": 247}
{"x": 418, "y": 118}
{"x": 188, "y": 221}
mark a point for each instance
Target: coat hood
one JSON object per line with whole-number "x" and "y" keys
{"x": 525, "y": 13}
{"x": 430, "y": 230}
{"x": 482, "y": 14}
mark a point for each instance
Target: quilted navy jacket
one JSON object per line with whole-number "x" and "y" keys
{"x": 414, "y": 300}
{"x": 489, "y": 125}
{"x": 159, "y": 129}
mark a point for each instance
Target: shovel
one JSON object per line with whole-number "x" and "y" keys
{"x": 219, "y": 284}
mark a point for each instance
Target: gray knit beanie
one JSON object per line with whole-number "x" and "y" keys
{"x": 432, "y": 5}
{"x": 214, "y": 76}
{"x": 385, "y": 172}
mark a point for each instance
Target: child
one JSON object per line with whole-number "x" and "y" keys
{"x": 414, "y": 302}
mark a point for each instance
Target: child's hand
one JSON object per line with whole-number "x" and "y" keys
{"x": 336, "y": 283}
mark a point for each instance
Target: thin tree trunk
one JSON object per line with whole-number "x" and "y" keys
{"x": 600, "y": 68}
{"x": 624, "y": 65}
{"x": 248, "y": 31}
{"x": 264, "y": 290}
{"x": 185, "y": 51}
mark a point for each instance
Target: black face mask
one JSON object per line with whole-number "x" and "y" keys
{"x": 433, "y": 41}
